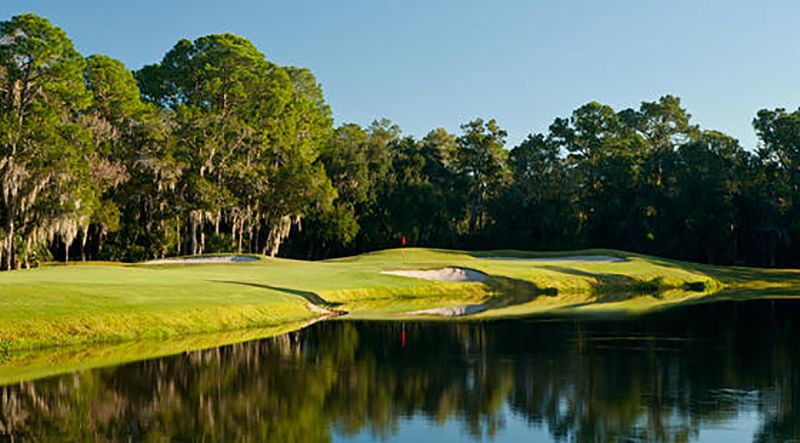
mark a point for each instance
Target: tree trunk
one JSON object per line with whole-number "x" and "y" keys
{"x": 101, "y": 239}
{"x": 241, "y": 236}
{"x": 178, "y": 234}
{"x": 194, "y": 237}
{"x": 84, "y": 236}
{"x": 10, "y": 256}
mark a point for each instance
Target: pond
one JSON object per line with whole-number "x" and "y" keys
{"x": 712, "y": 372}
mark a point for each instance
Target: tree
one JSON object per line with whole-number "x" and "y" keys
{"x": 356, "y": 163}
{"x": 663, "y": 126}
{"x": 779, "y": 133}
{"x": 481, "y": 159}
{"x": 535, "y": 211}
{"x": 361, "y": 163}
{"x": 448, "y": 187}
{"x": 779, "y": 152}
{"x": 216, "y": 148}
{"x": 132, "y": 170}
{"x": 603, "y": 158}
{"x": 248, "y": 133}
{"x": 709, "y": 173}
{"x": 45, "y": 144}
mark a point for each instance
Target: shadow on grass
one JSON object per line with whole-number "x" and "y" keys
{"x": 309, "y": 296}
{"x": 521, "y": 254}
{"x": 511, "y": 291}
{"x": 729, "y": 275}
{"x": 606, "y": 284}
{"x": 789, "y": 279}
{"x": 610, "y": 288}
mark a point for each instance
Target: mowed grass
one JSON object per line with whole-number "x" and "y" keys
{"x": 107, "y": 302}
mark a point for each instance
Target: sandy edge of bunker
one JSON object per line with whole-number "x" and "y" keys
{"x": 201, "y": 260}
{"x": 450, "y": 274}
{"x": 451, "y": 311}
{"x": 573, "y": 258}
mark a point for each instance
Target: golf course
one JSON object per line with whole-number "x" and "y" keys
{"x": 96, "y": 302}
{"x": 399, "y": 221}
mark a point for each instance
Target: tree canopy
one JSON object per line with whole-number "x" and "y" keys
{"x": 218, "y": 149}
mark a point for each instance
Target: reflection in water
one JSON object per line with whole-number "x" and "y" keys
{"x": 663, "y": 377}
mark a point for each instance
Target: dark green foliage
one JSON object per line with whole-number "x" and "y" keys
{"x": 218, "y": 149}
{"x": 216, "y": 243}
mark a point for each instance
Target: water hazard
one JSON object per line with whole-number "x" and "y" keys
{"x": 717, "y": 372}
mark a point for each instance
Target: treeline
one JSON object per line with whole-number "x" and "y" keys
{"x": 217, "y": 149}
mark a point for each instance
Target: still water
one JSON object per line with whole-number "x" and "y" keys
{"x": 719, "y": 372}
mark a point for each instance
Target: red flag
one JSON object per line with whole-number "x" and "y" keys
{"x": 404, "y": 240}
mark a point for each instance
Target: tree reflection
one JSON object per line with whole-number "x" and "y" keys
{"x": 658, "y": 378}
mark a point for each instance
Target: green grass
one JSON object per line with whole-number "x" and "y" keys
{"x": 21, "y": 365}
{"x": 106, "y": 302}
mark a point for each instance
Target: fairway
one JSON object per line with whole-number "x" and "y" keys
{"x": 104, "y": 302}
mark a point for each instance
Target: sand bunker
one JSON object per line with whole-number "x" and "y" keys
{"x": 443, "y": 274}
{"x": 574, "y": 258}
{"x": 209, "y": 259}
{"x": 451, "y": 311}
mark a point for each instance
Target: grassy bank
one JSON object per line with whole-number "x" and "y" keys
{"x": 27, "y": 364}
{"x": 105, "y": 302}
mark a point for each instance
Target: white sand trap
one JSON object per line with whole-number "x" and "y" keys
{"x": 451, "y": 311}
{"x": 208, "y": 259}
{"x": 574, "y": 258}
{"x": 443, "y": 274}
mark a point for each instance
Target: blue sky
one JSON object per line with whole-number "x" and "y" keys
{"x": 428, "y": 63}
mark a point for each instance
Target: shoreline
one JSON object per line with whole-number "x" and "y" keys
{"x": 108, "y": 303}
{"x": 23, "y": 365}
